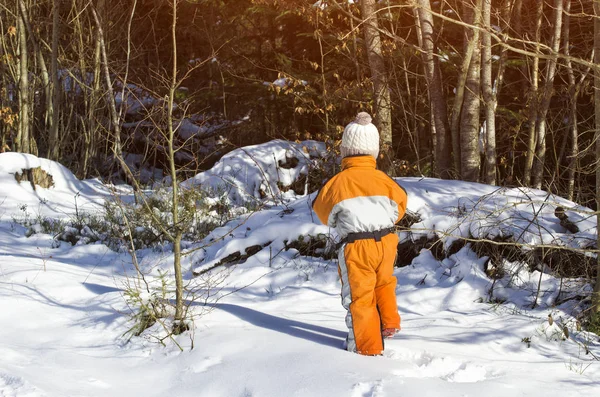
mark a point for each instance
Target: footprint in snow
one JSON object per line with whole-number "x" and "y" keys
{"x": 204, "y": 365}
{"x": 98, "y": 383}
{"x": 367, "y": 389}
{"x": 246, "y": 393}
{"x": 449, "y": 369}
{"x": 13, "y": 386}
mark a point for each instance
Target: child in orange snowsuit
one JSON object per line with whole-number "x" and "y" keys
{"x": 363, "y": 204}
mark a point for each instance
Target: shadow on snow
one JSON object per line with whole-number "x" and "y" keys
{"x": 314, "y": 333}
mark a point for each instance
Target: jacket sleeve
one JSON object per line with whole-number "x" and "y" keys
{"x": 400, "y": 197}
{"x": 322, "y": 204}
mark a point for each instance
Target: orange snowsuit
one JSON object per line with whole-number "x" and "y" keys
{"x": 363, "y": 204}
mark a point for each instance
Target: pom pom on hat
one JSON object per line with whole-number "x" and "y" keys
{"x": 360, "y": 137}
{"x": 363, "y": 118}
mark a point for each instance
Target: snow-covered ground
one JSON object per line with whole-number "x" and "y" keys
{"x": 273, "y": 325}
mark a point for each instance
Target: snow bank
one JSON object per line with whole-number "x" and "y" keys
{"x": 260, "y": 173}
{"x": 61, "y": 200}
{"x": 456, "y": 209}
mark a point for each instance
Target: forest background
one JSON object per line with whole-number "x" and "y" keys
{"x": 499, "y": 92}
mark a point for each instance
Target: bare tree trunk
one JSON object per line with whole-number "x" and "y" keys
{"x": 88, "y": 143}
{"x": 518, "y": 27}
{"x": 573, "y": 95}
{"x": 95, "y": 95}
{"x": 459, "y": 98}
{"x": 533, "y": 98}
{"x": 416, "y": 123}
{"x": 22, "y": 142}
{"x": 383, "y": 105}
{"x": 355, "y": 50}
{"x": 538, "y": 169}
{"x": 42, "y": 64}
{"x": 506, "y": 22}
{"x": 324, "y": 93}
{"x": 442, "y": 165}
{"x": 470, "y": 160}
{"x": 432, "y": 135}
{"x": 4, "y": 127}
{"x": 489, "y": 96}
{"x": 506, "y": 15}
{"x": 54, "y": 143}
{"x": 596, "y": 296}
{"x": 518, "y": 32}
{"x": 115, "y": 121}
{"x": 178, "y": 232}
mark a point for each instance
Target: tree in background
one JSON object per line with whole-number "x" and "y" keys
{"x": 485, "y": 83}
{"x": 546, "y": 96}
{"x": 381, "y": 88}
{"x": 439, "y": 120}
{"x": 24, "y": 141}
{"x": 596, "y": 295}
{"x": 465, "y": 116}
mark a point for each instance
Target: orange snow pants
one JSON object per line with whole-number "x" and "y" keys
{"x": 369, "y": 292}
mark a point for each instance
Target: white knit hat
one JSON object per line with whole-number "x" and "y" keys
{"x": 360, "y": 137}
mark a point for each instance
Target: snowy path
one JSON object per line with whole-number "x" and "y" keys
{"x": 61, "y": 329}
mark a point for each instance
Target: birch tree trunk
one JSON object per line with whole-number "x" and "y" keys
{"x": 432, "y": 134}
{"x": 177, "y": 235}
{"x": 54, "y": 144}
{"x": 461, "y": 85}
{"x": 508, "y": 11}
{"x": 355, "y": 50}
{"x": 87, "y": 90}
{"x": 596, "y": 296}
{"x": 95, "y": 95}
{"x": 383, "y": 105}
{"x": 442, "y": 154}
{"x": 489, "y": 96}
{"x": 533, "y": 98}
{"x": 540, "y": 153}
{"x": 42, "y": 65}
{"x": 110, "y": 95}
{"x": 470, "y": 160}
{"x": 4, "y": 127}
{"x": 23, "y": 139}
{"x": 573, "y": 95}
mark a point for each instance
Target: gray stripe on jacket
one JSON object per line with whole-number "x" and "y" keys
{"x": 346, "y": 299}
{"x": 363, "y": 214}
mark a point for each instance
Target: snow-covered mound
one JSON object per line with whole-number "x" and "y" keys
{"x": 448, "y": 210}
{"x": 455, "y": 209}
{"x": 60, "y": 200}
{"x": 261, "y": 173}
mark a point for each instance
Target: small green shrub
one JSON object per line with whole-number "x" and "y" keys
{"x": 593, "y": 323}
{"x": 120, "y": 224}
{"x": 141, "y": 223}
{"x": 83, "y": 227}
{"x": 147, "y": 306}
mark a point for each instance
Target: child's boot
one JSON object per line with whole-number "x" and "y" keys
{"x": 389, "y": 333}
